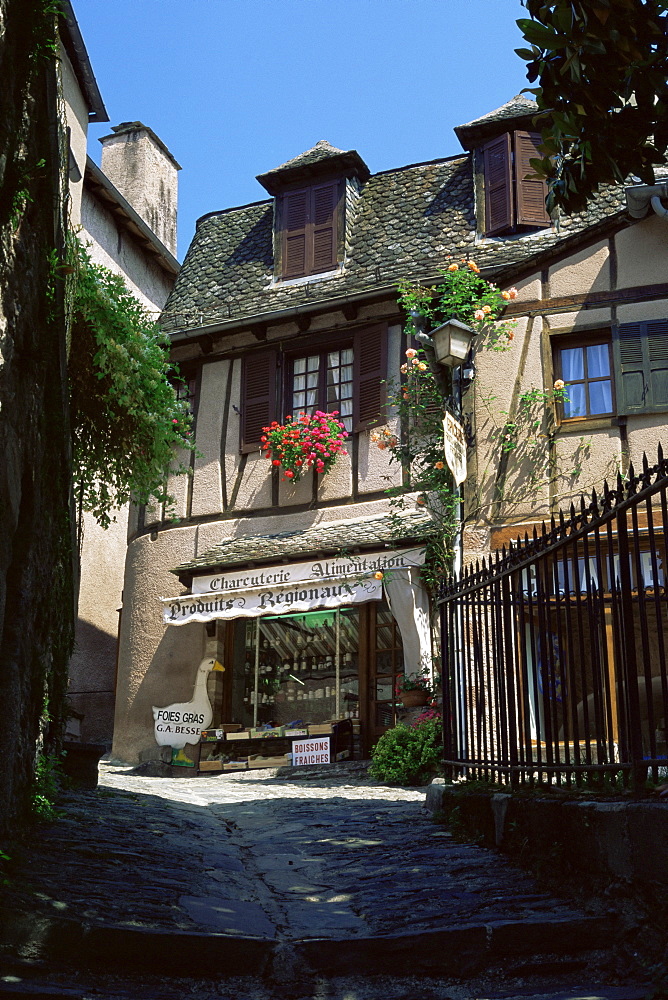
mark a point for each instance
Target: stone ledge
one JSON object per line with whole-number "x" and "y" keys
{"x": 625, "y": 840}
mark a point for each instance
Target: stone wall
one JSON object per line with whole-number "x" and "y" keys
{"x": 37, "y": 578}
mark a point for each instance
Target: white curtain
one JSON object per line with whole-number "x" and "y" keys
{"x": 409, "y": 603}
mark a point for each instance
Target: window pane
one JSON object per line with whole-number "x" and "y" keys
{"x": 311, "y": 397}
{"x": 333, "y": 375}
{"x": 600, "y": 397}
{"x": 346, "y": 391}
{"x": 300, "y": 366}
{"x": 332, "y": 394}
{"x": 300, "y": 382}
{"x": 347, "y": 373}
{"x": 314, "y": 363}
{"x": 312, "y": 380}
{"x": 598, "y": 361}
{"x": 347, "y": 357}
{"x": 298, "y": 399}
{"x": 333, "y": 359}
{"x": 572, "y": 364}
{"x": 575, "y": 405}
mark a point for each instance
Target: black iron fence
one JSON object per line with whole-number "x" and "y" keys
{"x": 554, "y": 652}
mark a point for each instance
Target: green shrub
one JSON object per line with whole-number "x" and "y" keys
{"x": 46, "y": 786}
{"x": 406, "y": 755}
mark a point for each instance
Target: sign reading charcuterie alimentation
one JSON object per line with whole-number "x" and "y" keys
{"x": 323, "y": 583}
{"x": 314, "y": 751}
{"x": 362, "y": 564}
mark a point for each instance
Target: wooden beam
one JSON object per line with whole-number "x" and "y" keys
{"x": 589, "y": 300}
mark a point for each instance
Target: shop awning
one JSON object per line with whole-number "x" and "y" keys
{"x": 390, "y": 530}
{"x": 292, "y": 587}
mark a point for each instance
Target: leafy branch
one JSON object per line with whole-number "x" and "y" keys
{"x": 602, "y": 75}
{"x": 128, "y": 424}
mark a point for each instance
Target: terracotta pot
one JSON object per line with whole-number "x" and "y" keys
{"x": 411, "y": 699}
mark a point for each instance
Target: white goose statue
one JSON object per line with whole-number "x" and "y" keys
{"x": 183, "y": 722}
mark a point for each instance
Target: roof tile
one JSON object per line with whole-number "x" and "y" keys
{"x": 334, "y": 536}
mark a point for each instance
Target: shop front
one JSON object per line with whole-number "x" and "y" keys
{"x": 309, "y": 649}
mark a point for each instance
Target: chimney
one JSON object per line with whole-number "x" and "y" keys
{"x": 142, "y": 169}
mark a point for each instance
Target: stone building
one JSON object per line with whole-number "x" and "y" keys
{"x": 125, "y": 213}
{"x": 289, "y": 305}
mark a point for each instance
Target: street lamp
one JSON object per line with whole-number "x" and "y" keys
{"x": 450, "y": 345}
{"x": 452, "y": 342}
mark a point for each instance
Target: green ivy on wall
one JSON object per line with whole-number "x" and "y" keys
{"x": 128, "y": 425}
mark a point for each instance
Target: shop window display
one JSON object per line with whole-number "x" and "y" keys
{"x": 297, "y": 667}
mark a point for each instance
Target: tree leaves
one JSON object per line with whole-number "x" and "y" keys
{"x": 127, "y": 421}
{"x": 602, "y": 70}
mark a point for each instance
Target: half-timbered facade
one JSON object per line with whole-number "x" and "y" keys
{"x": 289, "y": 305}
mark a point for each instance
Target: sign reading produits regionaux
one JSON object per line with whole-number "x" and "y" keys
{"x": 293, "y": 587}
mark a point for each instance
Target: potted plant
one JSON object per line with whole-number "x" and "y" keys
{"x": 413, "y": 690}
{"x": 309, "y": 441}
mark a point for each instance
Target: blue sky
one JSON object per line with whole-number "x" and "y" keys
{"x": 236, "y": 87}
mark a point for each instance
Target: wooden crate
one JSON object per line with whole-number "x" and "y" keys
{"x": 211, "y": 765}
{"x": 278, "y": 761}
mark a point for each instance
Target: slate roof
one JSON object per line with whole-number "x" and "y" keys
{"x": 407, "y": 223}
{"x": 367, "y": 532}
{"x": 323, "y": 158}
{"x": 322, "y": 150}
{"x": 516, "y": 106}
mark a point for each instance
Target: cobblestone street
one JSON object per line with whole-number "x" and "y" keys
{"x": 324, "y": 875}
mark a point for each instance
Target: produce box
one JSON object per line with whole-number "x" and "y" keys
{"x": 261, "y": 734}
{"x": 235, "y": 765}
{"x": 321, "y": 729}
{"x": 211, "y": 735}
{"x": 211, "y": 765}
{"x": 296, "y": 732}
{"x": 243, "y": 735}
{"x": 278, "y": 761}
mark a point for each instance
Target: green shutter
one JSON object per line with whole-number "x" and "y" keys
{"x": 640, "y": 351}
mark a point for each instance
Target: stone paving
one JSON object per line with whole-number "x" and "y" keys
{"x": 322, "y": 855}
{"x": 321, "y": 872}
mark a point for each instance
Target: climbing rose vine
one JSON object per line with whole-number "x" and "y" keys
{"x": 310, "y": 441}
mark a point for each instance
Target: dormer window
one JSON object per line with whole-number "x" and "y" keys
{"x": 308, "y": 226}
{"x": 312, "y": 194}
{"x": 513, "y": 199}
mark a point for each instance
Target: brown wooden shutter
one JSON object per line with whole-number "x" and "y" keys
{"x": 295, "y": 219}
{"x": 258, "y": 396}
{"x": 370, "y": 374}
{"x": 497, "y": 156}
{"x": 531, "y": 194}
{"x": 323, "y": 229}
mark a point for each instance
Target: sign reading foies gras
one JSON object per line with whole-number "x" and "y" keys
{"x": 323, "y": 583}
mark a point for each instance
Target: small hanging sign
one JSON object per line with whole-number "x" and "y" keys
{"x": 454, "y": 446}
